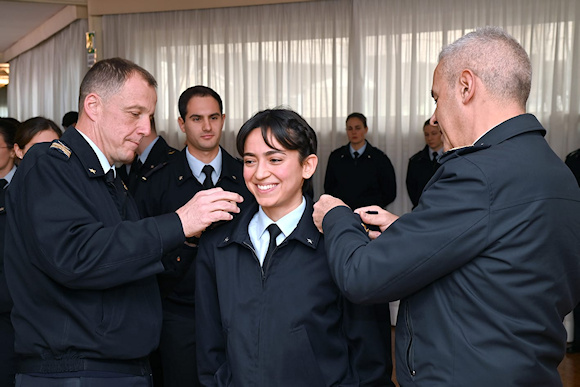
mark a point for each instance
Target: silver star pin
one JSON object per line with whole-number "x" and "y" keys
{"x": 309, "y": 240}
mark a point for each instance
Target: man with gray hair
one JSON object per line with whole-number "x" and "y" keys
{"x": 80, "y": 264}
{"x": 488, "y": 263}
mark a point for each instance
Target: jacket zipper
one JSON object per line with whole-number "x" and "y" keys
{"x": 410, "y": 331}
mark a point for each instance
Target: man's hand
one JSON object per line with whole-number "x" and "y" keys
{"x": 206, "y": 207}
{"x": 321, "y": 208}
{"x": 376, "y": 216}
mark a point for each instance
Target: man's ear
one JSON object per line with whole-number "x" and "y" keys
{"x": 309, "y": 166}
{"x": 92, "y": 106}
{"x": 181, "y": 124}
{"x": 467, "y": 85}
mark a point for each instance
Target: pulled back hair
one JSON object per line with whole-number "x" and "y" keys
{"x": 197, "y": 91}
{"x": 8, "y": 131}
{"x": 360, "y": 116}
{"x": 288, "y": 128}
{"x": 108, "y": 76}
{"x": 31, "y": 127}
{"x": 496, "y": 58}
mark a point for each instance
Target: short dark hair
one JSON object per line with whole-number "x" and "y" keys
{"x": 29, "y": 128}
{"x": 108, "y": 76}
{"x": 8, "y": 131}
{"x": 428, "y": 122}
{"x": 69, "y": 118}
{"x": 360, "y": 116}
{"x": 288, "y": 128}
{"x": 197, "y": 91}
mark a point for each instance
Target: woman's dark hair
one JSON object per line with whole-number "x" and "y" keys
{"x": 29, "y": 128}
{"x": 8, "y": 131}
{"x": 288, "y": 128}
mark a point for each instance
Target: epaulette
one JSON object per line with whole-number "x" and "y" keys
{"x": 60, "y": 149}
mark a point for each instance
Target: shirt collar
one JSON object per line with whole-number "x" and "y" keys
{"x": 287, "y": 223}
{"x": 196, "y": 166}
{"x": 143, "y": 156}
{"x": 360, "y": 151}
{"x": 10, "y": 175}
{"x": 100, "y": 155}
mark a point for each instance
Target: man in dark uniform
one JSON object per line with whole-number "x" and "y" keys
{"x": 80, "y": 264}
{"x": 202, "y": 164}
{"x": 573, "y": 162}
{"x": 153, "y": 154}
{"x": 487, "y": 265}
{"x": 424, "y": 163}
{"x": 358, "y": 173}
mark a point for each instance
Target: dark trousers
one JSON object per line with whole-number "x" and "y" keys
{"x": 177, "y": 350}
{"x": 23, "y": 380}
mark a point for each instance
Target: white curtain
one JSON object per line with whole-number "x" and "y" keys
{"x": 326, "y": 59}
{"x": 45, "y": 80}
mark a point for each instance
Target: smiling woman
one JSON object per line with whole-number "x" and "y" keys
{"x": 310, "y": 334}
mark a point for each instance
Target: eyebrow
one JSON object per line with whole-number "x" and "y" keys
{"x": 201, "y": 115}
{"x": 269, "y": 153}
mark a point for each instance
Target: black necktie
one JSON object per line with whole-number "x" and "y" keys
{"x": 207, "y": 183}
{"x": 434, "y": 161}
{"x": 134, "y": 174}
{"x": 3, "y": 183}
{"x": 356, "y": 155}
{"x": 274, "y": 231}
{"x": 117, "y": 191}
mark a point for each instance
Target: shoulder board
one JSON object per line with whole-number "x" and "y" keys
{"x": 61, "y": 148}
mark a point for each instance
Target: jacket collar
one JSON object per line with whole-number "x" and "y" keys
{"x": 86, "y": 155}
{"x": 228, "y": 167}
{"x": 515, "y": 126}
{"x": 305, "y": 232}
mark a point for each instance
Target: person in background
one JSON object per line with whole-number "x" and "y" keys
{"x": 80, "y": 262}
{"x": 33, "y": 131}
{"x": 7, "y": 170}
{"x": 487, "y": 265}
{"x": 267, "y": 309}
{"x": 153, "y": 153}
{"x": 358, "y": 173}
{"x": 573, "y": 162}
{"x": 201, "y": 165}
{"x": 69, "y": 119}
{"x": 423, "y": 164}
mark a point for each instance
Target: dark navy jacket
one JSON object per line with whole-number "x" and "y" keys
{"x": 159, "y": 157}
{"x": 290, "y": 327}
{"x": 171, "y": 188}
{"x": 487, "y": 265}
{"x": 370, "y": 180}
{"x": 82, "y": 280}
{"x": 419, "y": 171}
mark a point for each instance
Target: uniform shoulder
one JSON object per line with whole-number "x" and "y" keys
{"x": 59, "y": 150}
{"x": 574, "y": 155}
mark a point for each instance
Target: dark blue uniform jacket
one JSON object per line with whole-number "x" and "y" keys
{"x": 289, "y": 326}
{"x": 82, "y": 280}
{"x": 487, "y": 265}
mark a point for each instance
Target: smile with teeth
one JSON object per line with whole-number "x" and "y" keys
{"x": 263, "y": 187}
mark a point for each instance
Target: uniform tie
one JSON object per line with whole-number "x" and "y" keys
{"x": 356, "y": 155}
{"x": 274, "y": 231}
{"x": 3, "y": 183}
{"x": 434, "y": 160}
{"x": 117, "y": 191}
{"x": 207, "y": 183}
